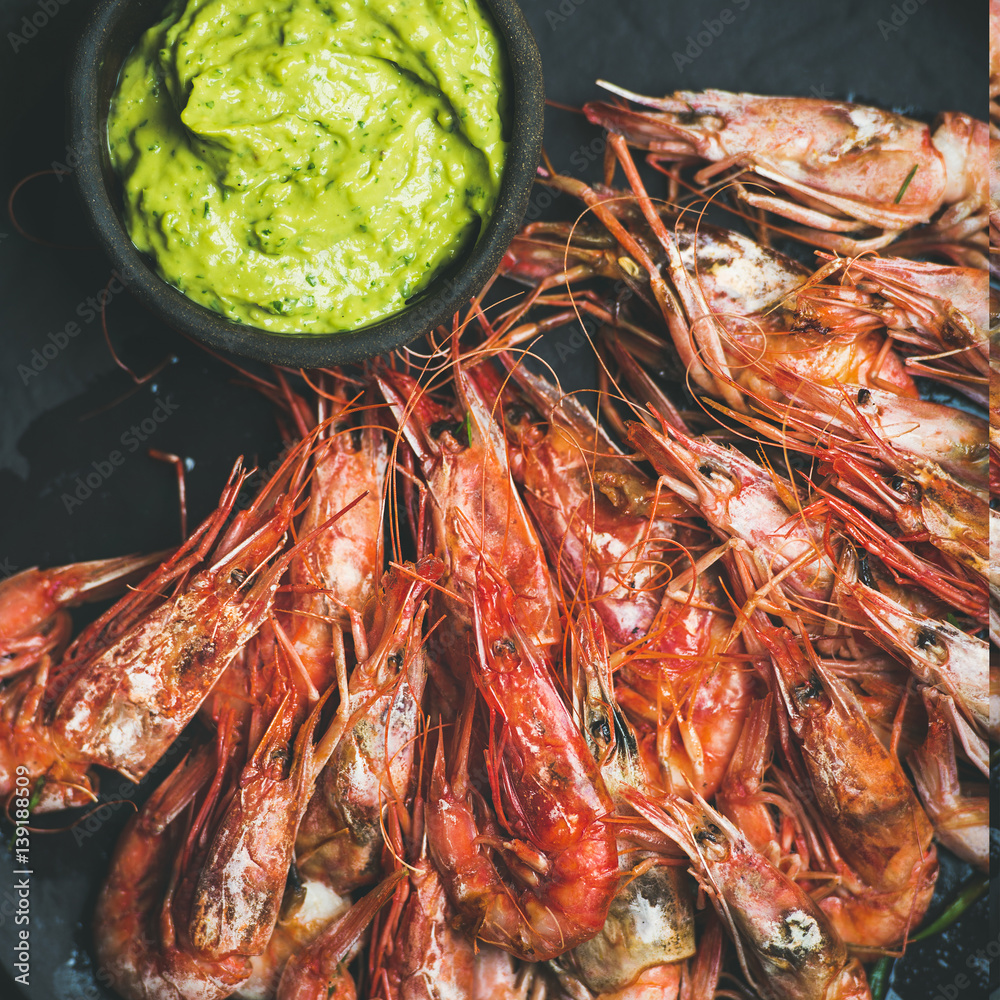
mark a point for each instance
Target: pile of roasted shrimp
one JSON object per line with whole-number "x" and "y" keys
{"x": 490, "y": 693}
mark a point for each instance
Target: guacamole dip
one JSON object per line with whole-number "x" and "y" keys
{"x": 309, "y": 165}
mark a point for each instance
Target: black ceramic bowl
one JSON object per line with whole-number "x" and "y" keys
{"x": 109, "y": 36}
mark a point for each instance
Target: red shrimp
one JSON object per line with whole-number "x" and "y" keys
{"x": 59, "y": 773}
{"x": 759, "y": 305}
{"x": 933, "y": 309}
{"x": 650, "y": 926}
{"x": 560, "y": 857}
{"x": 877, "y": 834}
{"x": 840, "y": 168}
{"x": 33, "y": 619}
{"x": 123, "y": 707}
{"x": 123, "y": 701}
{"x": 925, "y": 506}
{"x": 786, "y": 945}
{"x": 237, "y": 894}
{"x": 136, "y": 938}
{"x": 741, "y": 797}
{"x": 960, "y": 589}
{"x": 334, "y": 578}
{"x": 741, "y": 500}
{"x": 421, "y": 954}
{"x": 340, "y": 839}
{"x": 690, "y": 682}
{"x": 238, "y": 891}
{"x": 603, "y": 523}
{"x": 908, "y": 435}
{"x": 960, "y": 813}
{"x": 476, "y": 511}
{"x": 938, "y": 653}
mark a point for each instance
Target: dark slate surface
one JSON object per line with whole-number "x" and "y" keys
{"x": 62, "y": 422}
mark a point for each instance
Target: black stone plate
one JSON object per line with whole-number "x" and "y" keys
{"x": 65, "y": 406}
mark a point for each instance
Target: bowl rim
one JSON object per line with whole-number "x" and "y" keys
{"x": 87, "y": 130}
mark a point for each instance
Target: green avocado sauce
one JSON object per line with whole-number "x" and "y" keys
{"x": 310, "y": 165}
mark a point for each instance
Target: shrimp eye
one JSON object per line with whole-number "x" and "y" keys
{"x": 710, "y": 833}
{"x": 910, "y": 490}
{"x": 926, "y": 637}
{"x": 808, "y": 690}
{"x": 503, "y": 647}
{"x": 600, "y": 730}
{"x": 865, "y": 571}
{"x": 237, "y": 576}
{"x": 705, "y": 470}
{"x": 994, "y": 503}
{"x": 395, "y": 660}
{"x": 864, "y": 396}
{"x": 456, "y": 428}
{"x": 294, "y": 895}
{"x": 515, "y": 413}
{"x": 356, "y": 438}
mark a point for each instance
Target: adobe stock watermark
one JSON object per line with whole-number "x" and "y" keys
{"x": 900, "y": 13}
{"x": 131, "y": 440}
{"x": 57, "y": 341}
{"x": 960, "y": 981}
{"x": 565, "y": 10}
{"x": 31, "y": 24}
{"x": 64, "y": 168}
{"x": 700, "y": 40}
{"x": 580, "y": 159}
{"x": 256, "y": 479}
{"x": 21, "y": 887}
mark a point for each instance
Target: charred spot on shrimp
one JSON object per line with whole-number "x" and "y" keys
{"x": 515, "y": 414}
{"x": 809, "y": 324}
{"x": 624, "y": 737}
{"x": 195, "y": 654}
{"x": 796, "y": 940}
